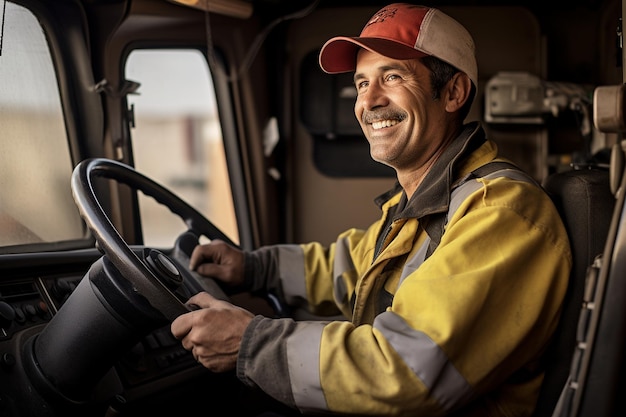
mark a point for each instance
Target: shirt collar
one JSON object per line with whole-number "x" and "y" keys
{"x": 433, "y": 194}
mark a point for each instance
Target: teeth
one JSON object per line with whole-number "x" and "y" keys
{"x": 384, "y": 123}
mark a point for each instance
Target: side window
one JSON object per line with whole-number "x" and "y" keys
{"x": 36, "y": 205}
{"x": 177, "y": 140}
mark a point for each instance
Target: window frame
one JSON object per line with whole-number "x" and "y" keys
{"x": 227, "y": 119}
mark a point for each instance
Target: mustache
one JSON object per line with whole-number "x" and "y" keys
{"x": 369, "y": 117}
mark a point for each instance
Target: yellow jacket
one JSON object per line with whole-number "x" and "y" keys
{"x": 461, "y": 332}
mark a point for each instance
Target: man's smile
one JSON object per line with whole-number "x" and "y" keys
{"x": 384, "y": 123}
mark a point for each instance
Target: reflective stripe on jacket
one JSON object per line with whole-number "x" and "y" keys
{"x": 465, "y": 329}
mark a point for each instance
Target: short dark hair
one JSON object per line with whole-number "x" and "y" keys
{"x": 442, "y": 72}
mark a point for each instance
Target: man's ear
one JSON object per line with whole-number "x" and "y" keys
{"x": 458, "y": 91}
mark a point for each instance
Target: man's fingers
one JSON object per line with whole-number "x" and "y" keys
{"x": 181, "y": 326}
{"x": 210, "y": 270}
{"x": 203, "y": 300}
{"x": 200, "y": 254}
{"x": 209, "y": 252}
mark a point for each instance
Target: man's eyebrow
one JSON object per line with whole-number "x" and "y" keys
{"x": 357, "y": 76}
{"x": 382, "y": 69}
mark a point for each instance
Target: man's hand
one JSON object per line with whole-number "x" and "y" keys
{"x": 219, "y": 260}
{"x": 213, "y": 333}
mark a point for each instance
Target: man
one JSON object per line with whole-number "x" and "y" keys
{"x": 450, "y": 298}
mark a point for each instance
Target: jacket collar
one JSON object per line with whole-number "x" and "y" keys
{"x": 433, "y": 194}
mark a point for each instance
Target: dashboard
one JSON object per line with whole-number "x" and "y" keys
{"x": 33, "y": 289}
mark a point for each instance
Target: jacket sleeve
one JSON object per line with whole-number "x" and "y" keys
{"x": 309, "y": 276}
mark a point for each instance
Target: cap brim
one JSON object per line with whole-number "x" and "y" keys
{"x": 339, "y": 54}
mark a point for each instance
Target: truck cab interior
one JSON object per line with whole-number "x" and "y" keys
{"x": 132, "y": 130}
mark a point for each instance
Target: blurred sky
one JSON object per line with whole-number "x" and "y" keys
{"x": 172, "y": 82}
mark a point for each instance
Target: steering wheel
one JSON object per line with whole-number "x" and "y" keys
{"x": 147, "y": 277}
{"x": 122, "y": 297}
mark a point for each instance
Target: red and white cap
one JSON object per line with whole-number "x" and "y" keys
{"x": 405, "y": 31}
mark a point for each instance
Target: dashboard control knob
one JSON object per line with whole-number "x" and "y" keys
{"x": 8, "y": 361}
{"x": 29, "y": 310}
{"x": 62, "y": 289}
{"x": 7, "y": 314}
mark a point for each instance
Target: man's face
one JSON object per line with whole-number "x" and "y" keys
{"x": 402, "y": 122}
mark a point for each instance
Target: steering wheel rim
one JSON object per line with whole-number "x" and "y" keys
{"x": 111, "y": 242}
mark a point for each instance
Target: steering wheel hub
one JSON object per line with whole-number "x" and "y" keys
{"x": 164, "y": 269}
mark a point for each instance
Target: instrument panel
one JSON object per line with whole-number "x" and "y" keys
{"x": 30, "y": 302}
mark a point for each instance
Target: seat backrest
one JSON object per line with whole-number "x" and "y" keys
{"x": 583, "y": 198}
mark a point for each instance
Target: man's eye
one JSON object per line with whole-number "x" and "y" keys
{"x": 361, "y": 85}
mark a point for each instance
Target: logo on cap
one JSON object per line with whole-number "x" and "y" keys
{"x": 381, "y": 16}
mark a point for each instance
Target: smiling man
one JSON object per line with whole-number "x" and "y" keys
{"x": 450, "y": 298}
